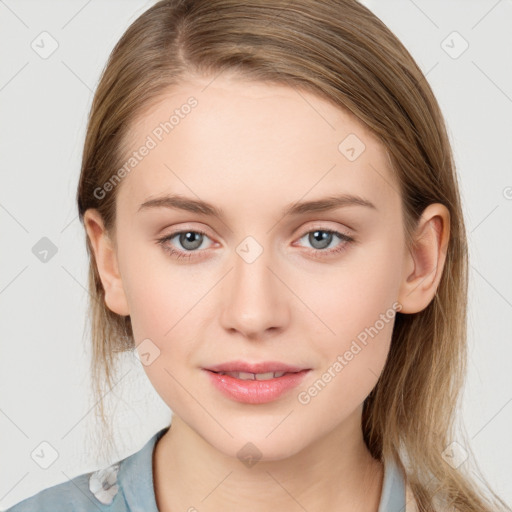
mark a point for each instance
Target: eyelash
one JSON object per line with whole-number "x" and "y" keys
{"x": 316, "y": 253}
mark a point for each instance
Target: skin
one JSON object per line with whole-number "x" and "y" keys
{"x": 251, "y": 149}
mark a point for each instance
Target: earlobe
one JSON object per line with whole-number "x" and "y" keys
{"x": 424, "y": 261}
{"x": 107, "y": 264}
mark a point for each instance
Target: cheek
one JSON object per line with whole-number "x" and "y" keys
{"x": 162, "y": 321}
{"x": 156, "y": 289}
{"x": 164, "y": 301}
{"x": 354, "y": 304}
{"x": 351, "y": 296}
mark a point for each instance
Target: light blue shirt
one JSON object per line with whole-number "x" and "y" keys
{"x": 127, "y": 486}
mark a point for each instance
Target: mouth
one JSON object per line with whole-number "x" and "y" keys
{"x": 255, "y": 376}
{"x": 255, "y": 387}
{"x": 262, "y": 369}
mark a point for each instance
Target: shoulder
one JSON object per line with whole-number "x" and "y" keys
{"x": 94, "y": 491}
{"x": 411, "y": 505}
{"x": 410, "y": 502}
{"x": 123, "y": 486}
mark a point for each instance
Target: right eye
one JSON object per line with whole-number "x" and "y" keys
{"x": 190, "y": 240}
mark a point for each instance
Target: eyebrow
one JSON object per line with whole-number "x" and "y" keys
{"x": 299, "y": 208}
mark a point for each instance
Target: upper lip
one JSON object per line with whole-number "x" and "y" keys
{"x": 262, "y": 367}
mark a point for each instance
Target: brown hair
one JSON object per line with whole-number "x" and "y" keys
{"x": 340, "y": 51}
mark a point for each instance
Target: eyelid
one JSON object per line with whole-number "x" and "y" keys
{"x": 320, "y": 225}
{"x": 324, "y": 226}
{"x": 319, "y": 254}
{"x": 186, "y": 228}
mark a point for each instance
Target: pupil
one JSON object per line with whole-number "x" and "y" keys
{"x": 321, "y": 236}
{"x": 188, "y": 238}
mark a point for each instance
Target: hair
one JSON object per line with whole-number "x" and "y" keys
{"x": 343, "y": 53}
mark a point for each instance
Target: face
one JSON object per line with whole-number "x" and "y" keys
{"x": 266, "y": 280}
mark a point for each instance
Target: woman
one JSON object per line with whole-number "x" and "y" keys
{"x": 310, "y": 335}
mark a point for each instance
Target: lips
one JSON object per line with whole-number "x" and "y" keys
{"x": 255, "y": 383}
{"x": 253, "y": 376}
{"x": 264, "y": 367}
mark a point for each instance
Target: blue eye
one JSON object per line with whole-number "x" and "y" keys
{"x": 191, "y": 241}
{"x": 320, "y": 239}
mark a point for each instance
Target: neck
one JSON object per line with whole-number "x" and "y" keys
{"x": 336, "y": 472}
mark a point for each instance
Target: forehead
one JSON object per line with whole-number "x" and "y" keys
{"x": 265, "y": 142}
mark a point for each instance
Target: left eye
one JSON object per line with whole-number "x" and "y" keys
{"x": 322, "y": 238}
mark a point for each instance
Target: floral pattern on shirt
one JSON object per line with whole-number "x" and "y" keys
{"x": 103, "y": 484}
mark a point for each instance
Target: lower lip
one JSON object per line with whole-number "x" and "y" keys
{"x": 256, "y": 391}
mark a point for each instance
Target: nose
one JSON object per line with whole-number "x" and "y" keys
{"x": 255, "y": 301}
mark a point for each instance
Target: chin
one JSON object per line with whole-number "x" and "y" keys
{"x": 251, "y": 447}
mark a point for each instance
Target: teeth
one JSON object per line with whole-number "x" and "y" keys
{"x": 266, "y": 376}
{"x": 253, "y": 376}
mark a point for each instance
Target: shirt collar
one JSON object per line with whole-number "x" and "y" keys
{"x": 136, "y": 480}
{"x": 136, "y": 477}
{"x": 393, "y": 489}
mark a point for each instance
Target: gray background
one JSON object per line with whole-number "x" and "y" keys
{"x": 44, "y": 382}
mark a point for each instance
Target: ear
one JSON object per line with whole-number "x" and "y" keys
{"x": 424, "y": 262}
{"x": 106, "y": 261}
